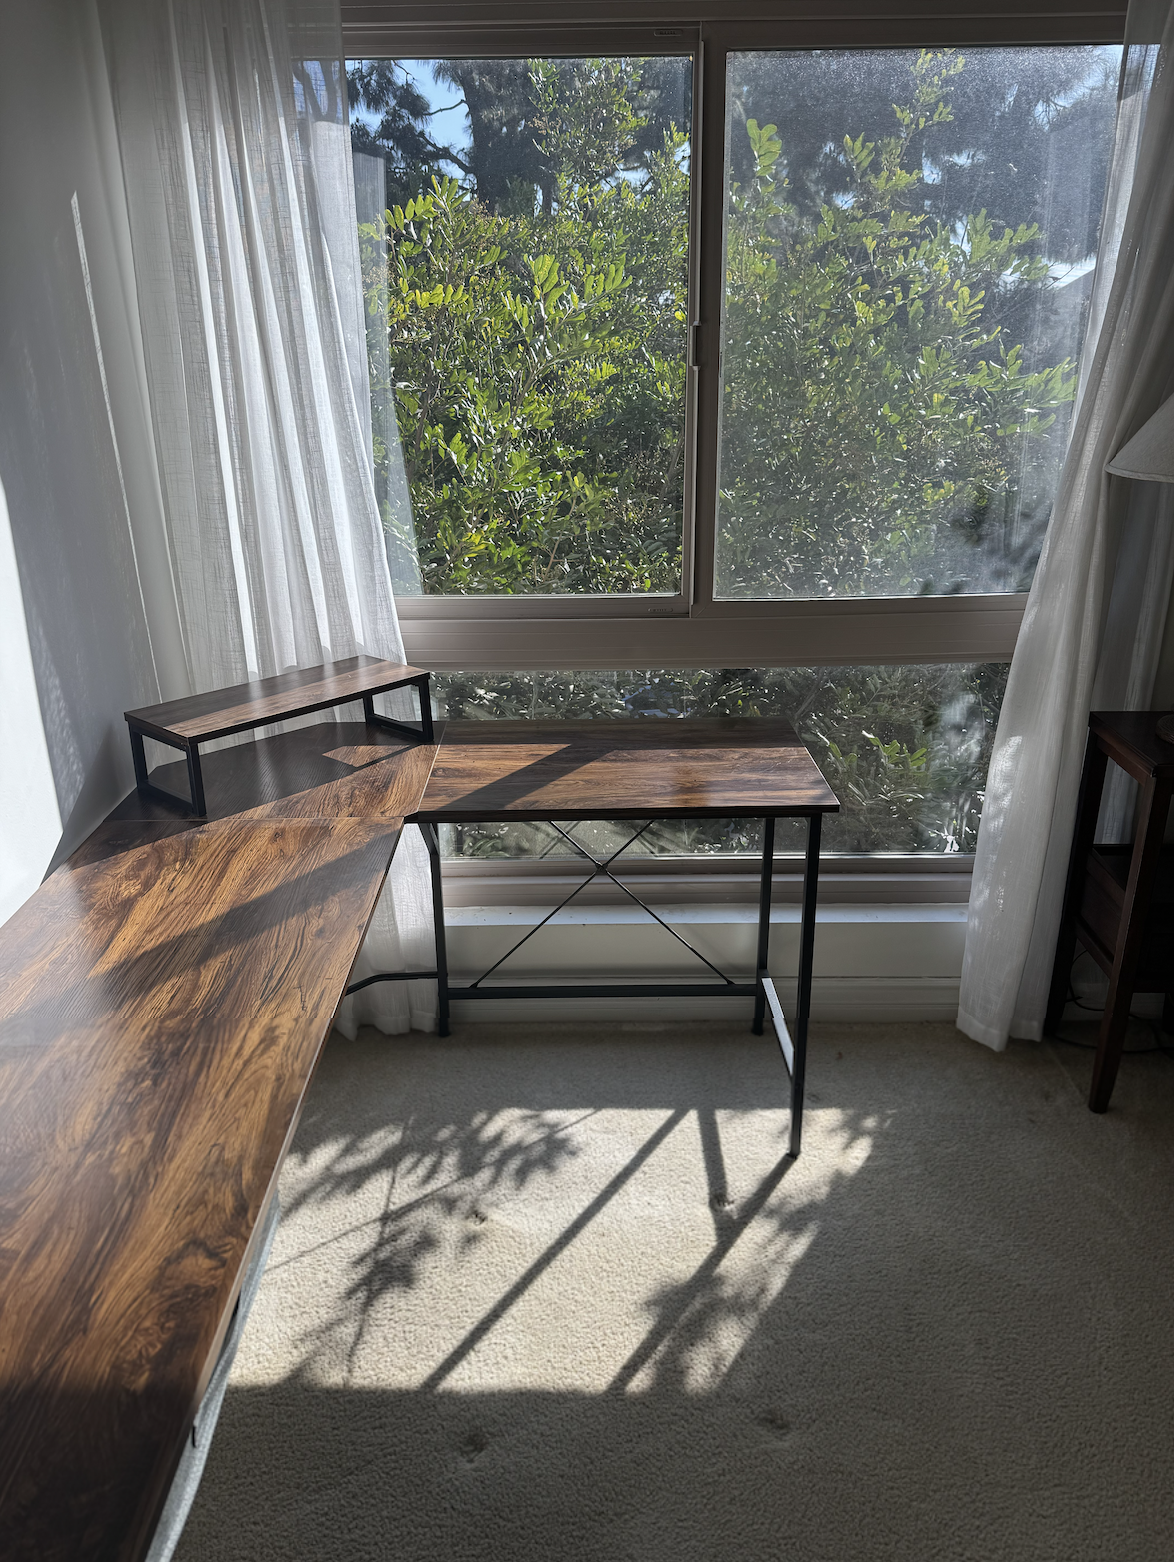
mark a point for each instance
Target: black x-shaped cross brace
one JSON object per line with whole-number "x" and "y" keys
{"x": 601, "y": 869}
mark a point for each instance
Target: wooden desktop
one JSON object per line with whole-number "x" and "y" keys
{"x": 164, "y": 998}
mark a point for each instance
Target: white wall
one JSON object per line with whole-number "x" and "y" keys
{"x": 873, "y": 962}
{"x": 27, "y": 794}
{"x": 76, "y": 459}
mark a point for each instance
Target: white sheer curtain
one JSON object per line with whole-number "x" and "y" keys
{"x": 236, "y": 153}
{"x": 1092, "y": 632}
{"x": 391, "y": 481}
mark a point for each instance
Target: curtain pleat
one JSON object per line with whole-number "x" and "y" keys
{"x": 237, "y": 164}
{"x": 1092, "y": 632}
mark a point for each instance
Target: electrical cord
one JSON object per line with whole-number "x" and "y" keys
{"x": 1130, "y": 1052}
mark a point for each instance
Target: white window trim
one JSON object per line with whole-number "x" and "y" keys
{"x": 879, "y": 879}
{"x": 865, "y": 631}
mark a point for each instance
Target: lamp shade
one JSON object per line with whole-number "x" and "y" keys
{"x": 1150, "y": 453}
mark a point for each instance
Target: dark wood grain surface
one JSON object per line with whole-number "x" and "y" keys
{"x": 163, "y": 1000}
{"x": 713, "y": 768}
{"x": 333, "y": 769}
{"x": 224, "y": 711}
{"x": 1099, "y": 920}
{"x": 1131, "y": 739}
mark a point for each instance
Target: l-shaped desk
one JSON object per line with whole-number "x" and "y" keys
{"x": 164, "y": 998}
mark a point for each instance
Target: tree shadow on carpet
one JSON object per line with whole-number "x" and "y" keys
{"x": 441, "y": 1167}
{"x": 884, "y": 1351}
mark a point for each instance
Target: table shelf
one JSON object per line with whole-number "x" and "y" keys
{"x": 1119, "y": 899}
{"x": 187, "y": 723}
{"x": 1099, "y": 919}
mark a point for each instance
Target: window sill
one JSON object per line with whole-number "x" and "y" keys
{"x": 861, "y": 882}
{"x": 801, "y": 634}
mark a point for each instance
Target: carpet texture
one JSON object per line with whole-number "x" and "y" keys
{"x": 555, "y": 1294}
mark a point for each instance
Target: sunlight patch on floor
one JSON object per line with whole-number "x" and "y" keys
{"x": 586, "y": 1251}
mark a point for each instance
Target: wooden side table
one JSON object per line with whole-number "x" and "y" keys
{"x": 1119, "y": 901}
{"x": 198, "y": 718}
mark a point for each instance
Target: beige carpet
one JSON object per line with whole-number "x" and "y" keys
{"x": 555, "y": 1293}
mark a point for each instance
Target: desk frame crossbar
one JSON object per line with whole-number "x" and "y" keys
{"x": 761, "y": 989}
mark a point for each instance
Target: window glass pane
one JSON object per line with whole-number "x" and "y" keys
{"x": 910, "y": 238}
{"x": 531, "y": 279}
{"x": 905, "y": 749}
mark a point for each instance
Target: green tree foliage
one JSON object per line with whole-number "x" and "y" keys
{"x": 400, "y": 135}
{"x": 883, "y": 430}
{"x": 891, "y": 400}
{"x": 538, "y": 362}
{"x": 518, "y": 146}
{"x": 905, "y": 748}
{"x": 872, "y": 416}
{"x": 1015, "y": 116}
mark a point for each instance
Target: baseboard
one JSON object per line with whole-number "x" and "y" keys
{"x": 850, "y": 998}
{"x": 866, "y": 998}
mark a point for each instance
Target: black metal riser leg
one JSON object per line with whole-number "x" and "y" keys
{"x": 425, "y": 732}
{"x": 139, "y": 755}
{"x": 196, "y": 781}
{"x": 424, "y": 690}
{"x": 806, "y": 962}
{"x": 432, "y": 841}
{"x": 146, "y": 786}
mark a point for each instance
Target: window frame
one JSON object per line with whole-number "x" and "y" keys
{"x": 692, "y": 628}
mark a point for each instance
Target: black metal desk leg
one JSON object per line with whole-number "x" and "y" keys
{"x": 806, "y": 960}
{"x": 764, "y": 889}
{"x": 432, "y": 841}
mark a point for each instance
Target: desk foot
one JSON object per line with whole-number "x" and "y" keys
{"x": 794, "y": 1059}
